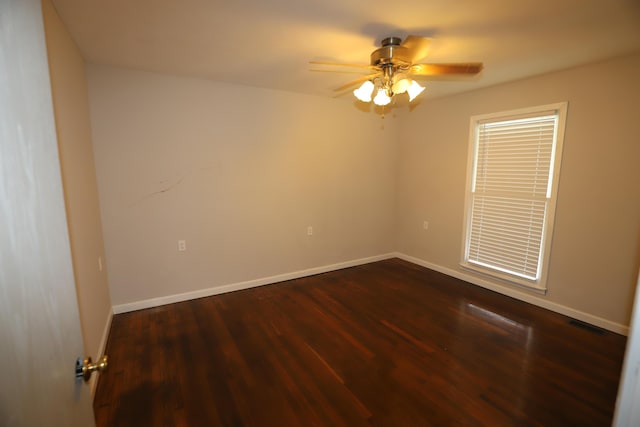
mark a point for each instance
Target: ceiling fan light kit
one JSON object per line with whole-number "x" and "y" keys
{"x": 391, "y": 66}
{"x": 386, "y": 90}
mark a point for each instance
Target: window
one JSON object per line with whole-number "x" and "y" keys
{"x": 514, "y": 163}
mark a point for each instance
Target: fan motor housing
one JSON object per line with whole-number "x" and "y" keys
{"x": 391, "y": 53}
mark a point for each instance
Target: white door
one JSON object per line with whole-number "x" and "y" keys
{"x": 627, "y": 408}
{"x": 40, "y": 336}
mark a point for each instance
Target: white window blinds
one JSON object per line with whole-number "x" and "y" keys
{"x": 510, "y": 194}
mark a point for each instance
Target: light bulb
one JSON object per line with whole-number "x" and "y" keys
{"x": 414, "y": 90}
{"x": 382, "y": 98}
{"x": 363, "y": 93}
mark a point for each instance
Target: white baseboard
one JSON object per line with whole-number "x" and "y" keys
{"x": 103, "y": 345}
{"x": 522, "y": 296}
{"x": 511, "y": 292}
{"x": 155, "y": 302}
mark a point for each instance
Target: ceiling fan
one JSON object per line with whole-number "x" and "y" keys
{"x": 393, "y": 68}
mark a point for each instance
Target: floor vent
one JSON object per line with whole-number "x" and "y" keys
{"x": 587, "y": 327}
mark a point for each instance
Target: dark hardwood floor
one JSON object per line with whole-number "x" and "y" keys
{"x": 385, "y": 344}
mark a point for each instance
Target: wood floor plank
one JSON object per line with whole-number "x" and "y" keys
{"x": 384, "y": 344}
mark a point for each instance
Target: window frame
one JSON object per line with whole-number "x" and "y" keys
{"x": 560, "y": 110}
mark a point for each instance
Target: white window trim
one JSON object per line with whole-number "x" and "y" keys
{"x": 560, "y": 109}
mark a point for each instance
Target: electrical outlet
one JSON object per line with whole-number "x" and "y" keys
{"x": 182, "y": 245}
{"x": 425, "y": 225}
{"x": 309, "y": 231}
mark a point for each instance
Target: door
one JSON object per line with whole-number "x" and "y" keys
{"x": 627, "y": 408}
{"x": 40, "y": 336}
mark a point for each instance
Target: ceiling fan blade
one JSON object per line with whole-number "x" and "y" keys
{"x": 340, "y": 64}
{"x": 417, "y": 47}
{"x": 360, "y": 72}
{"x": 439, "y": 69}
{"x": 356, "y": 81}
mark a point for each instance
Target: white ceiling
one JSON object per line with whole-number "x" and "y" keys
{"x": 268, "y": 43}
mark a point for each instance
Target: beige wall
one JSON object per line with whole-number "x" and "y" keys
{"x": 237, "y": 172}
{"x": 595, "y": 253}
{"x": 240, "y": 172}
{"x": 71, "y": 107}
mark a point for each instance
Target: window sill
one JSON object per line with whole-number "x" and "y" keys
{"x": 504, "y": 279}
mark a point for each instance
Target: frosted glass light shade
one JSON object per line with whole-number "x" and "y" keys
{"x": 363, "y": 93}
{"x": 382, "y": 98}
{"x": 401, "y": 84}
{"x": 414, "y": 90}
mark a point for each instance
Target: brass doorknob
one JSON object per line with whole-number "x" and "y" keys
{"x": 84, "y": 368}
